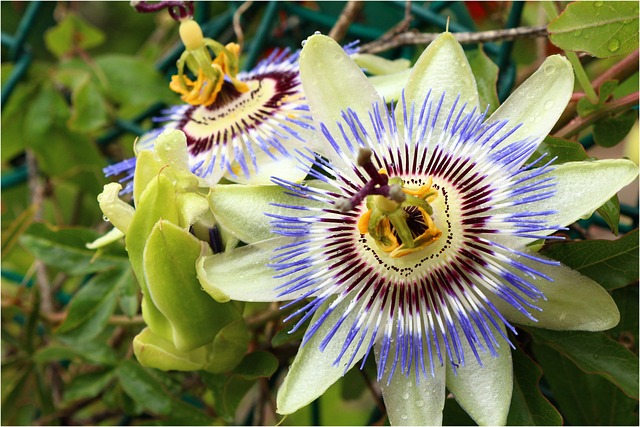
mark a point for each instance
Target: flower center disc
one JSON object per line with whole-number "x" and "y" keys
{"x": 433, "y": 234}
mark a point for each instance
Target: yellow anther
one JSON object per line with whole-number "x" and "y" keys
{"x": 424, "y": 192}
{"x": 385, "y": 234}
{"x": 363, "y": 222}
{"x": 210, "y": 73}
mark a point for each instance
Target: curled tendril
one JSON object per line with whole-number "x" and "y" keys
{"x": 178, "y": 10}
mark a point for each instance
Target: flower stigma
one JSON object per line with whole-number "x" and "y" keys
{"x": 210, "y": 74}
{"x": 397, "y": 218}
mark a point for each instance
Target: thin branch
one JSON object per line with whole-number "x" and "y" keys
{"x": 56, "y": 318}
{"x": 620, "y": 71}
{"x": 578, "y": 124}
{"x": 414, "y": 37}
{"x": 346, "y": 18}
{"x": 36, "y": 189}
{"x": 237, "y": 28}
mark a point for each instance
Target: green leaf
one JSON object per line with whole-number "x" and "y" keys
{"x": 626, "y": 332}
{"x": 71, "y": 156}
{"x": 143, "y": 388}
{"x": 65, "y": 249}
{"x": 584, "y": 399}
{"x": 284, "y": 336}
{"x": 595, "y": 353}
{"x": 353, "y": 384}
{"x": 47, "y": 110}
{"x": 16, "y": 229}
{"x": 184, "y": 414}
{"x": 127, "y": 291}
{"x": 229, "y": 345}
{"x": 227, "y": 391}
{"x": 14, "y": 117}
{"x": 563, "y": 149}
{"x": 586, "y": 107}
{"x": 600, "y": 28}
{"x": 613, "y": 264}
{"x": 528, "y": 406}
{"x": 610, "y": 131}
{"x": 88, "y": 385}
{"x": 234, "y": 391}
{"x": 486, "y": 74}
{"x": 454, "y": 415}
{"x": 90, "y": 351}
{"x": 89, "y": 109}
{"x": 259, "y": 364}
{"x": 610, "y": 212}
{"x": 72, "y": 32}
{"x": 124, "y": 72}
{"x": 90, "y": 308}
{"x": 12, "y": 392}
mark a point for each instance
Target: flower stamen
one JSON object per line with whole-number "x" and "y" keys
{"x": 210, "y": 74}
{"x": 397, "y": 218}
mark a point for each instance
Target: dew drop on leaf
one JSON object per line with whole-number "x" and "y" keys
{"x": 549, "y": 69}
{"x": 614, "y": 45}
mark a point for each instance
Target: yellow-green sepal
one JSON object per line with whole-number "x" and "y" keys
{"x": 169, "y": 261}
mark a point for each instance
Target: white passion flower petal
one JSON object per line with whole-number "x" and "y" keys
{"x": 228, "y": 137}
{"x": 537, "y": 103}
{"x": 441, "y": 71}
{"x": 319, "y": 362}
{"x": 414, "y": 400}
{"x": 247, "y": 211}
{"x": 572, "y": 302}
{"x": 568, "y": 192}
{"x": 334, "y": 84}
{"x": 241, "y": 274}
{"x": 484, "y": 390}
{"x": 427, "y": 286}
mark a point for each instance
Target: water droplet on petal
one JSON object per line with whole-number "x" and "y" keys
{"x": 404, "y": 417}
{"x": 549, "y": 69}
{"x": 614, "y": 45}
{"x": 105, "y": 219}
{"x": 303, "y": 43}
{"x": 419, "y": 403}
{"x": 317, "y": 33}
{"x": 549, "y": 104}
{"x": 405, "y": 395}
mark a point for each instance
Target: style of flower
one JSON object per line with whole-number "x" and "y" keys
{"x": 240, "y": 124}
{"x": 413, "y": 238}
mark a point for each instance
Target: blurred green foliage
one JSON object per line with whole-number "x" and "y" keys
{"x": 96, "y": 72}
